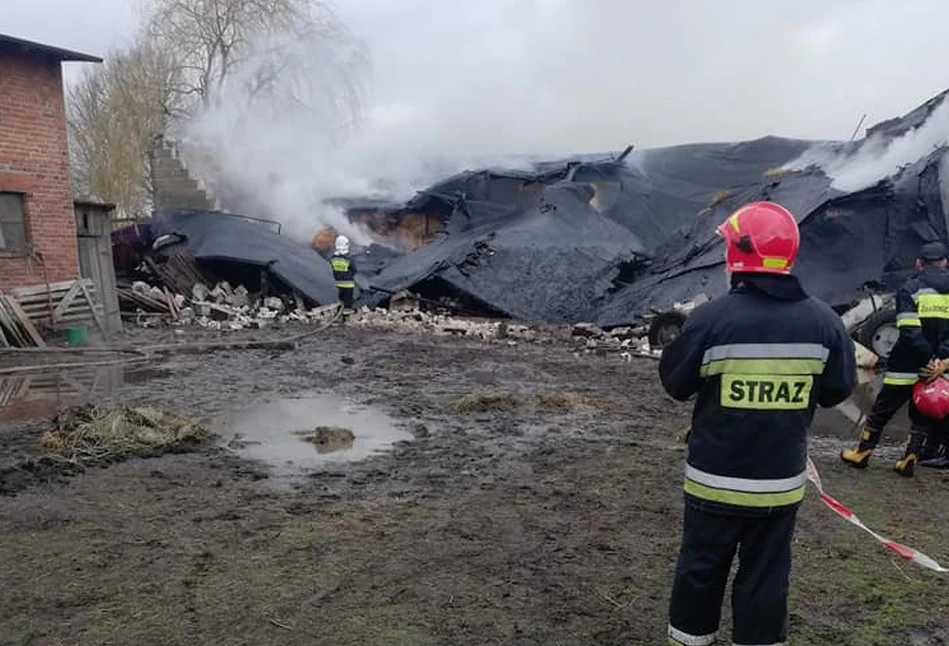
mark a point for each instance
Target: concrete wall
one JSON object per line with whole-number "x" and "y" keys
{"x": 34, "y": 159}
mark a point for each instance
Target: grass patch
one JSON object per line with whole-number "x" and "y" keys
{"x": 565, "y": 401}
{"x": 327, "y": 439}
{"x": 92, "y": 432}
{"x": 484, "y": 401}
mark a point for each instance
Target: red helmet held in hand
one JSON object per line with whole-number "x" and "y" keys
{"x": 761, "y": 237}
{"x": 932, "y": 399}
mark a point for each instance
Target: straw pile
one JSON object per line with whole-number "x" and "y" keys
{"x": 93, "y": 432}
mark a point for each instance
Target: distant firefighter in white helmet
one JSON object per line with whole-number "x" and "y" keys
{"x": 344, "y": 273}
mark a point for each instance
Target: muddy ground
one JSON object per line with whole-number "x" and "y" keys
{"x": 540, "y": 520}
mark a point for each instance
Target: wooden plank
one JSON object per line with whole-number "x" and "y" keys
{"x": 31, "y": 331}
{"x": 41, "y": 290}
{"x": 11, "y": 323}
{"x": 92, "y": 307}
{"x": 73, "y": 292}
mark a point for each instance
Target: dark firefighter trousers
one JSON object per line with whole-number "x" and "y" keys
{"x": 710, "y": 540}
{"x": 926, "y": 439}
{"x": 346, "y": 298}
{"x": 888, "y": 401}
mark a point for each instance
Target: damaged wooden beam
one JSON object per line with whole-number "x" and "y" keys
{"x": 16, "y": 329}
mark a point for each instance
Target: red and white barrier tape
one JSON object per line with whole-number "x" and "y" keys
{"x": 904, "y": 551}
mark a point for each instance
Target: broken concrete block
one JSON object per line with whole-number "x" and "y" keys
{"x": 403, "y": 301}
{"x": 157, "y": 293}
{"x": 202, "y": 308}
{"x": 140, "y": 287}
{"x": 219, "y": 313}
{"x": 586, "y": 330}
{"x": 237, "y": 300}
{"x": 274, "y": 303}
{"x": 199, "y": 292}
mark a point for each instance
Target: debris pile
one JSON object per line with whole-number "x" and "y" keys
{"x": 223, "y": 307}
{"x": 584, "y": 338}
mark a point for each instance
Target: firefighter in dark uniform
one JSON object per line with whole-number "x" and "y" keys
{"x": 922, "y": 316}
{"x": 344, "y": 273}
{"x": 759, "y": 359}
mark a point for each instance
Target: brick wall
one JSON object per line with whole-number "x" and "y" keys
{"x": 34, "y": 159}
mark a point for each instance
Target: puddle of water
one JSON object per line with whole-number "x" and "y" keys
{"x": 279, "y": 432}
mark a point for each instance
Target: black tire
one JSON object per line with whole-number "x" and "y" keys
{"x": 876, "y": 332}
{"x": 664, "y": 328}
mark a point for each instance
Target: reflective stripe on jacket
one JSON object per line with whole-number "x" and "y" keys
{"x": 344, "y": 271}
{"x": 760, "y": 360}
{"x": 922, "y": 317}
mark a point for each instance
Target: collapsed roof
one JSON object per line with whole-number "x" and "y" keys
{"x": 851, "y": 243}
{"x": 544, "y": 258}
{"x": 506, "y": 248}
{"x": 239, "y": 249}
{"x": 548, "y": 245}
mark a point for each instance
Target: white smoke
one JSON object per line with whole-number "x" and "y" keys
{"x": 877, "y": 158}
{"x": 457, "y": 85}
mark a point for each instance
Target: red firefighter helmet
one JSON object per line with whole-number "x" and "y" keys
{"x": 760, "y": 237}
{"x": 932, "y": 399}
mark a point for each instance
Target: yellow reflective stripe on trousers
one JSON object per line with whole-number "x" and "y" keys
{"x": 932, "y": 305}
{"x": 744, "y": 492}
{"x": 345, "y": 284}
{"x": 680, "y": 638}
{"x": 908, "y": 319}
{"x": 900, "y": 378}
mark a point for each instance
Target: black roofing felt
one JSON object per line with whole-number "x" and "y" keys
{"x": 214, "y": 236}
{"x": 551, "y": 245}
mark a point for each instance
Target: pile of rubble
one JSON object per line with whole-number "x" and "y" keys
{"x": 227, "y": 308}
{"x": 584, "y": 338}
{"x": 222, "y": 308}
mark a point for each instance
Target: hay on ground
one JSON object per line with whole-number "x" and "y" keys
{"x": 95, "y": 432}
{"x": 565, "y": 401}
{"x": 484, "y": 402}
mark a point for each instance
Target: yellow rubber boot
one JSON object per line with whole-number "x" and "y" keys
{"x": 906, "y": 465}
{"x": 860, "y": 457}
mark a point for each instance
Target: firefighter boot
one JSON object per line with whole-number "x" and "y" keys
{"x": 860, "y": 457}
{"x": 906, "y": 465}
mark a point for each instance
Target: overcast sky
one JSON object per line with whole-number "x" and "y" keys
{"x": 558, "y": 75}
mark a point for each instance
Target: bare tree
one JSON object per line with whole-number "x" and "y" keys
{"x": 114, "y": 113}
{"x": 191, "y": 54}
{"x": 215, "y": 41}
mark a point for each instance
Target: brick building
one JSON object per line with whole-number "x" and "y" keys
{"x": 37, "y": 221}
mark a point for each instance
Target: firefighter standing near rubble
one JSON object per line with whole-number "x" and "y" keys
{"x": 344, "y": 274}
{"x": 922, "y": 317}
{"x": 760, "y": 359}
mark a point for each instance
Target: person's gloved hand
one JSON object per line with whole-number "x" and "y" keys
{"x": 933, "y": 369}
